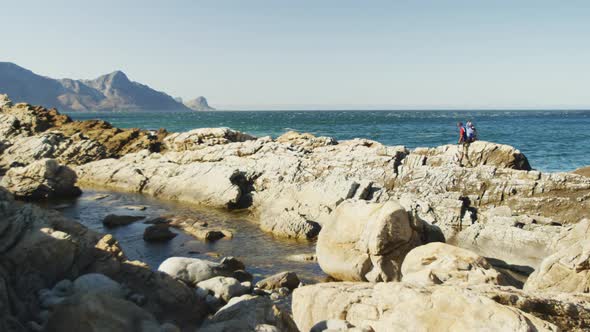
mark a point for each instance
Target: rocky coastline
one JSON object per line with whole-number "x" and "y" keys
{"x": 413, "y": 240}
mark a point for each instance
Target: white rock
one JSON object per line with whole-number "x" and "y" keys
{"x": 224, "y": 287}
{"x": 194, "y": 270}
{"x": 366, "y": 241}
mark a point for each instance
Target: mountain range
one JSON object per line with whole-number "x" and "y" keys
{"x": 110, "y": 92}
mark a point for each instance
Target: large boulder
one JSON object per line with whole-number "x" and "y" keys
{"x": 42, "y": 179}
{"x": 366, "y": 241}
{"x": 224, "y": 288}
{"x": 249, "y": 313}
{"x": 439, "y": 263}
{"x": 158, "y": 233}
{"x": 115, "y": 220}
{"x": 194, "y": 270}
{"x": 283, "y": 279}
{"x": 94, "y": 312}
{"x": 398, "y": 306}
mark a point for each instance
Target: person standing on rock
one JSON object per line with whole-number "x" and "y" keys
{"x": 464, "y": 142}
{"x": 470, "y": 132}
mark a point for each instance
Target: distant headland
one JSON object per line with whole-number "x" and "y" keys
{"x": 110, "y": 92}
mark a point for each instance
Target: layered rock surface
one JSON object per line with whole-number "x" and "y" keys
{"x": 403, "y": 307}
{"x": 45, "y": 178}
{"x": 29, "y": 133}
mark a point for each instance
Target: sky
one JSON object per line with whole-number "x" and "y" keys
{"x": 314, "y": 54}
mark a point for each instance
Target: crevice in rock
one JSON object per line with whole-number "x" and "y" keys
{"x": 246, "y": 186}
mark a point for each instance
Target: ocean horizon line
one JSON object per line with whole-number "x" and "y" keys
{"x": 344, "y": 110}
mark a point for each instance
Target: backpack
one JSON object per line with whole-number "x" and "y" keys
{"x": 469, "y": 133}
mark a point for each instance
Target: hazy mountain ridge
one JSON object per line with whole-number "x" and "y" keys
{"x": 110, "y": 92}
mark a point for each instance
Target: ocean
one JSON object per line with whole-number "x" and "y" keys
{"x": 552, "y": 140}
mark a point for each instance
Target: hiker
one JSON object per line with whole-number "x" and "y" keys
{"x": 464, "y": 141}
{"x": 470, "y": 132}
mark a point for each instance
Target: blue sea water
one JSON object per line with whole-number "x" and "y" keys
{"x": 552, "y": 140}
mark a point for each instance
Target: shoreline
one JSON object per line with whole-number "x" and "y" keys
{"x": 381, "y": 216}
{"x": 543, "y": 148}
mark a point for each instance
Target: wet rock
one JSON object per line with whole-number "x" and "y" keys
{"x": 242, "y": 275}
{"x": 284, "y": 279}
{"x": 96, "y": 197}
{"x": 303, "y": 258}
{"x": 158, "y": 233}
{"x": 205, "y": 234}
{"x": 194, "y": 270}
{"x": 440, "y": 263}
{"x": 113, "y": 220}
{"x": 399, "y": 306}
{"x": 134, "y": 207}
{"x": 224, "y": 287}
{"x": 366, "y": 241}
{"x": 61, "y": 206}
{"x": 42, "y": 179}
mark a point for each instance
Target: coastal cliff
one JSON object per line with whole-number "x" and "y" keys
{"x": 375, "y": 211}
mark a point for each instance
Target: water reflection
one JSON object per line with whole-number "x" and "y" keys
{"x": 262, "y": 253}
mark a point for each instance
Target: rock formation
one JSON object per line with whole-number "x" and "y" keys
{"x": 30, "y": 133}
{"x": 366, "y": 241}
{"x": 42, "y": 179}
{"x": 374, "y": 210}
{"x": 396, "y": 306}
{"x": 199, "y": 104}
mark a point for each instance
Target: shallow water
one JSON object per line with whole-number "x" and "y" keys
{"x": 552, "y": 140}
{"x": 262, "y": 253}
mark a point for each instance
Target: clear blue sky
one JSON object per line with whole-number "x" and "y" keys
{"x": 326, "y": 54}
